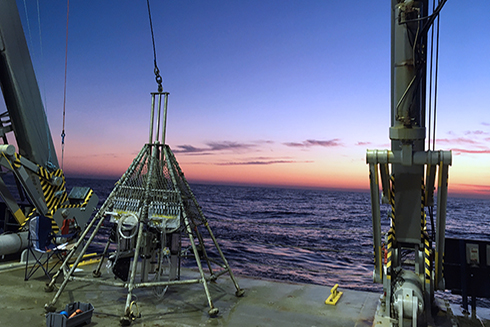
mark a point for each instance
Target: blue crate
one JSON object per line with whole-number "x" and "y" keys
{"x": 55, "y": 319}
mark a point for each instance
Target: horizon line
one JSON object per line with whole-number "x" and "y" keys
{"x": 451, "y": 194}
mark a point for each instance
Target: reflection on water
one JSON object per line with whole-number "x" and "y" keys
{"x": 308, "y": 236}
{"x": 313, "y": 236}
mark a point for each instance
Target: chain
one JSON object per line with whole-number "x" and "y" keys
{"x": 158, "y": 78}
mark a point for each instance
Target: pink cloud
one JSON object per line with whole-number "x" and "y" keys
{"x": 485, "y": 151}
{"x": 478, "y": 132}
{"x": 459, "y": 140}
{"x": 213, "y": 147}
{"x": 310, "y": 143}
{"x": 261, "y": 162}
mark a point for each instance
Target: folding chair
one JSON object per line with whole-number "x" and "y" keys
{"x": 42, "y": 247}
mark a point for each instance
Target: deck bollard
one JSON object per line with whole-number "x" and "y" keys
{"x": 334, "y": 296}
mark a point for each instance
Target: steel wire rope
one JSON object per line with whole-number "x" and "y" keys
{"x": 49, "y": 164}
{"x": 416, "y": 78}
{"x": 64, "y": 86}
{"x": 435, "y": 83}
{"x": 430, "y": 18}
{"x": 430, "y": 24}
{"x": 158, "y": 78}
{"x": 435, "y": 14}
{"x": 431, "y": 74}
{"x": 433, "y": 111}
{"x": 28, "y": 23}
{"x": 430, "y": 81}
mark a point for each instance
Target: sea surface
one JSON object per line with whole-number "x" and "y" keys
{"x": 307, "y": 236}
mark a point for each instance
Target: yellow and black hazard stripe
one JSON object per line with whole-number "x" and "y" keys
{"x": 442, "y": 272}
{"x": 389, "y": 249}
{"x": 79, "y": 205}
{"x": 13, "y": 164}
{"x": 423, "y": 220}
{"x": 424, "y": 236}
{"x": 33, "y": 213}
{"x": 427, "y": 262}
{"x": 392, "y": 231}
{"x": 16, "y": 162}
{"x": 53, "y": 195}
{"x": 392, "y": 203}
{"x": 44, "y": 173}
{"x": 29, "y": 216}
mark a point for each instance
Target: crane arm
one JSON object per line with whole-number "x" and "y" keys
{"x": 21, "y": 92}
{"x": 35, "y": 165}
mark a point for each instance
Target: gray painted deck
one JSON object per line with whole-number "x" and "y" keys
{"x": 265, "y": 303}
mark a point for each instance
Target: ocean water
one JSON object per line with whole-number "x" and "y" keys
{"x": 307, "y": 236}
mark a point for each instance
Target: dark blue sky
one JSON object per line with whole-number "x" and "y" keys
{"x": 278, "y": 92}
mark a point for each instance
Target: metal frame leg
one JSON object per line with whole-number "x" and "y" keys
{"x": 50, "y": 307}
{"x": 212, "y": 310}
{"x": 96, "y": 272}
{"x": 203, "y": 248}
{"x": 239, "y": 292}
{"x": 126, "y": 319}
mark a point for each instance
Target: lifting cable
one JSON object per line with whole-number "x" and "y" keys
{"x": 433, "y": 71}
{"x": 433, "y": 88}
{"x": 48, "y": 135}
{"x": 28, "y": 24}
{"x": 435, "y": 84}
{"x": 64, "y": 91}
{"x": 430, "y": 82}
{"x": 158, "y": 78}
{"x": 42, "y": 87}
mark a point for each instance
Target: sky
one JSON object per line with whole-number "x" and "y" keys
{"x": 282, "y": 93}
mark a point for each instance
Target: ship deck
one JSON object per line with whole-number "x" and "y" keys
{"x": 265, "y": 303}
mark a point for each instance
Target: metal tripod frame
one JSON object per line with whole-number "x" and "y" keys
{"x": 154, "y": 163}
